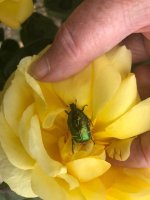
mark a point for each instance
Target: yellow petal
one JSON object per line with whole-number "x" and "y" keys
{"x": 25, "y": 10}
{"x": 110, "y": 177}
{"x": 129, "y": 188}
{"x": 16, "y": 98}
{"x": 124, "y": 184}
{"x": 46, "y": 187}
{"x": 72, "y": 182}
{"x": 50, "y": 142}
{"x": 119, "y": 149}
{"x": 30, "y": 135}
{"x": 105, "y": 84}
{"x": 93, "y": 190}
{"x": 73, "y": 194}
{"x": 76, "y": 88}
{"x": 123, "y": 100}
{"x": 50, "y": 108}
{"x": 18, "y": 180}
{"x": 12, "y": 13}
{"x": 134, "y": 122}
{"x": 48, "y": 105}
{"x": 121, "y": 60}
{"x": 88, "y": 168}
{"x": 13, "y": 147}
{"x": 141, "y": 174}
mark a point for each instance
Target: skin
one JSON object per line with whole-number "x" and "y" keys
{"x": 94, "y": 28}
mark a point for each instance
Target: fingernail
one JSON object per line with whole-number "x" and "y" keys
{"x": 40, "y": 68}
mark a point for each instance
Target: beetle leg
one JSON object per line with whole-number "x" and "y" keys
{"x": 90, "y": 122}
{"x": 93, "y": 140}
{"x": 83, "y": 107}
{"x": 66, "y": 112}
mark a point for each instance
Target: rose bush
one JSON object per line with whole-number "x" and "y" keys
{"x": 36, "y": 156}
{"x": 14, "y": 12}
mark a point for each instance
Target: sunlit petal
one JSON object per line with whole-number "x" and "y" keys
{"x": 125, "y": 98}
{"x": 134, "y": 122}
{"x": 105, "y": 84}
{"x": 121, "y": 60}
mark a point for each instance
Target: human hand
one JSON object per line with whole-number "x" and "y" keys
{"x": 94, "y": 28}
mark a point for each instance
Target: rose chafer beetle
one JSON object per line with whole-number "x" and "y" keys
{"x": 79, "y": 124}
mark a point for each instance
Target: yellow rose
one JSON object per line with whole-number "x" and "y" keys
{"x": 39, "y": 156}
{"x": 14, "y": 12}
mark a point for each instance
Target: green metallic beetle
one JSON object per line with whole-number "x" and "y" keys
{"x": 79, "y": 124}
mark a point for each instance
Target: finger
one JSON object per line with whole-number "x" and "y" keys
{"x": 146, "y": 31}
{"x": 93, "y": 28}
{"x": 139, "y": 46}
{"x": 142, "y": 74}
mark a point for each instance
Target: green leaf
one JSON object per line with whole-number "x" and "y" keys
{"x": 61, "y": 8}
{"x": 36, "y": 28}
{"x": 2, "y": 197}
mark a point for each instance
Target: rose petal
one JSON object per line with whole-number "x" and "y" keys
{"x": 105, "y": 84}
{"x": 88, "y": 168}
{"x": 121, "y": 60}
{"x": 48, "y": 188}
{"x": 134, "y": 122}
{"x": 48, "y": 104}
{"x": 124, "y": 99}
{"x": 129, "y": 188}
{"x": 77, "y": 88}
{"x": 12, "y": 13}
{"x": 142, "y": 174}
{"x": 14, "y": 103}
{"x": 72, "y": 182}
{"x": 13, "y": 147}
{"x": 30, "y": 135}
{"x": 50, "y": 142}
{"x": 25, "y": 10}
{"x": 119, "y": 149}
{"x": 18, "y": 180}
{"x": 50, "y": 108}
{"x": 93, "y": 190}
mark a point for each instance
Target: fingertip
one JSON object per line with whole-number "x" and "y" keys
{"x": 40, "y": 68}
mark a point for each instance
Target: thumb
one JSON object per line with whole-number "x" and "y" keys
{"x": 93, "y": 28}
